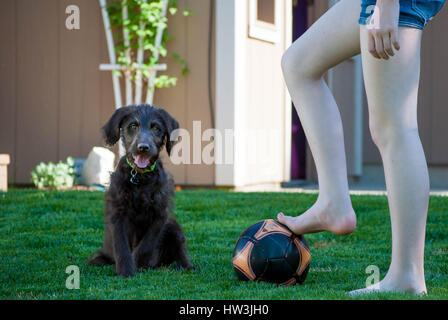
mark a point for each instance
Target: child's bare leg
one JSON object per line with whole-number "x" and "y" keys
{"x": 392, "y": 88}
{"x": 329, "y": 41}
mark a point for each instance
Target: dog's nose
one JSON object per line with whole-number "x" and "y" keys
{"x": 143, "y": 147}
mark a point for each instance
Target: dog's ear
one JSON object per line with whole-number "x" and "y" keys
{"x": 170, "y": 124}
{"x": 111, "y": 130}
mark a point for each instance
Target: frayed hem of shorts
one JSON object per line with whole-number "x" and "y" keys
{"x": 401, "y": 23}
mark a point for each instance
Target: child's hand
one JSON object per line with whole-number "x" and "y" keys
{"x": 383, "y": 29}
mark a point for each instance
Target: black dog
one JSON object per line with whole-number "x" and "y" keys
{"x": 140, "y": 233}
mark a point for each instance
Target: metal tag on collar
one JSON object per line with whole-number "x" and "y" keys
{"x": 133, "y": 179}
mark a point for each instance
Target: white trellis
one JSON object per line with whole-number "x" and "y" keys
{"x": 132, "y": 98}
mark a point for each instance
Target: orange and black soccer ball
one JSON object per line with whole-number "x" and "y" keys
{"x": 269, "y": 251}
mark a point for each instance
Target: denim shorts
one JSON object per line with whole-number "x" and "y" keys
{"x": 413, "y": 13}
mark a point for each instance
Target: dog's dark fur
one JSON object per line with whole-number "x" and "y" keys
{"x": 140, "y": 233}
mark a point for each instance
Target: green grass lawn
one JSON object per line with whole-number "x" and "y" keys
{"x": 43, "y": 232}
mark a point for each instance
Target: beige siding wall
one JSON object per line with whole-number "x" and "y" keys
{"x": 53, "y": 98}
{"x": 8, "y": 81}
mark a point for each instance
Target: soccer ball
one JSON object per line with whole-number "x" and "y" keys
{"x": 269, "y": 251}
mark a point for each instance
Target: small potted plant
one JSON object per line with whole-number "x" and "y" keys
{"x": 57, "y": 176}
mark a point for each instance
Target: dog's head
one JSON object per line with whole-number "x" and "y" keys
{"x": 144, "y": 130}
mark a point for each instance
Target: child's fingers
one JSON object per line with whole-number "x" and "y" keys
{"x": 394, "y": 39}
{"x": 388, "y": 45}
{"x": 371, "y": 46}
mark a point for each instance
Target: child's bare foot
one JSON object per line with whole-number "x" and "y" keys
{"x": 322, "y": 217}
{"x": 402, "y": 283}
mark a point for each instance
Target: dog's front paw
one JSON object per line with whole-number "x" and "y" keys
{"x": 126, "y": 271}
{"x": 187, "y": 267}
{"x": 140, "y": 262}
{"x": 193, "y": 268}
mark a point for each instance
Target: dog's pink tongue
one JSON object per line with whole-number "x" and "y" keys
{"x": 141, "y": 161}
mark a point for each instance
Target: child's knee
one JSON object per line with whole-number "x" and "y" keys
{"x": 386, "y": 130}
{"x": 297, "y": 64}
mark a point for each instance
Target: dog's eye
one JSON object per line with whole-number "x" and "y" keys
{"x": 155, "y": 128}
{"x": 133, "y": 126}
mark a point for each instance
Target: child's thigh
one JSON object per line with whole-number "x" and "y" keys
{"x": 392, "y": 85}
{"x": 333, "y": 38}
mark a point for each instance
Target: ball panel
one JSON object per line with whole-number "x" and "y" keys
{"x": 289, "y": 282}
{"x": 305, "y": 256}
{"x": 241, "y": 261}
{"x": 258, "y": 260}
{"x": 252, "y": 230}
{"x": 241, "y": 243}
{"x": 274, "y": 245}
{"x": 241, "y": 276}
{"x": 303, "y": 241}
{"x": 302, "y": 277}
{"x": 278, "y": 271}
{"x": 271, "y": 226}
{"x": 292, "y": 255}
